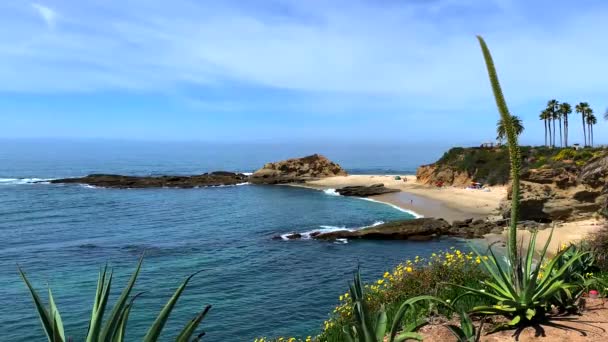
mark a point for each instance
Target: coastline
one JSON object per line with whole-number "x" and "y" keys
{"x": 449, "y": 203}
{"x": 454, "y": 203}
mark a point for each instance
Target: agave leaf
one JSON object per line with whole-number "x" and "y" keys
{"x": 457, "y": 332}
{"x": 381, "y": 323}
{"x": 530, "y": 313}
{"x": 103, "y": 292}
{"x": 407, "y": 336}
{"x": 530, "y": 257}
{"x": 156, "y": 328}
{"x": 515, "y": 321}
{"x": 121, "y": 328}
{"x": 403, "y": 309}
{"x": 347, "y": 334}
{"x": 42, "y": 313}
{"x": 114, "y": 318}
{"x": 58, "y": 333}
{"x": 189, "y": 329}
{"x": 479, "y": 292}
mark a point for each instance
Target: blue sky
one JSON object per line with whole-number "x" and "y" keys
{"x": 291, "y": 70}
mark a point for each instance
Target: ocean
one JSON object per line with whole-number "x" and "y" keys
{"x": 62, "y": 234}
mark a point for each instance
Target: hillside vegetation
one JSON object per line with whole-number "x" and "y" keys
{"x": 460, "y": 166}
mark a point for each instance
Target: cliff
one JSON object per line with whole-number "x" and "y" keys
{"x": 556, "y": 184}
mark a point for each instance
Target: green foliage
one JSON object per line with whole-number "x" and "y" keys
{"x": 421, "y": 276}
{"x": 566, "y": 153}
{"x": 525, "y": 291}
{"x": 501, "y": 132}
{"x": 368, "y": 327}
{"x": 466, "y": 332}
{"x": 114, "y": 329}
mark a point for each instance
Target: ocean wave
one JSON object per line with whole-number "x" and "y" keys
{"x": 89, "y": 186}
{"x": 331, "y": 192}
{"x": 224, "y": 185}
{"x": 411, "y": 212}
{"x": 328, "y": 229}
{"x": 21, "y": 181}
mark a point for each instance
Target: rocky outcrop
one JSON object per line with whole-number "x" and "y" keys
{"x": 418, "y": 230}
{"x": 365, "y": 191}
{"x": 297, "y": 170}
{"x": 124, "y": 182}
{"x": 434, "y": 175}
{"x": 550, "y": 194}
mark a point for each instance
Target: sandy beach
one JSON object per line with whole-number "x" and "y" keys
{"x": 450, "y": 203}
{"x": 564, "y": 233}
{"x": 454, "y": 203}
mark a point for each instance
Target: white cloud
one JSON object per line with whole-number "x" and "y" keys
{"x": 410, "y": 52}
{"x": 47, "y": 14}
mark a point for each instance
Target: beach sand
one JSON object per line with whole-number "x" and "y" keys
{"x": 450, "y": 203}
{"x": 453, "y": 203}
{"x": 564, "y": 233}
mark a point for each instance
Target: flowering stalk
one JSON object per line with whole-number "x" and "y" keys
{"x": 514, "y": 153}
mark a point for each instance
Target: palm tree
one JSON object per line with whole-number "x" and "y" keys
{"x": 544, "y": 115}
{"x": 583, "y": 108}
{"x": 552, "y": 107}
{"x": 591, "y": 120}
{"x": 501, "y": 132}
{"x": 564, "y": 110}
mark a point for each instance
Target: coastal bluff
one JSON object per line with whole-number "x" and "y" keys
{"x": 297, "y": 170}
{"x": 557, "y": 184}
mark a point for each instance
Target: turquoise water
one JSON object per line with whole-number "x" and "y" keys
{"x": 61, "y": 235}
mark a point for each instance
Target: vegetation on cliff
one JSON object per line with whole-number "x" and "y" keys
{"x": 490, "y": 165}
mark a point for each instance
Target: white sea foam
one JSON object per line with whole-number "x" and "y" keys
{"x": 328, "y": 229}
{"x": 247, "y": 173}
{"x": 411, "y": 212}
{"x": 341, "y": 241}
{"x": 88, "y": 186}
{"x": 20, "y": 181}
{"x": 225, "y": 185}
{"x": 331, "y": 192}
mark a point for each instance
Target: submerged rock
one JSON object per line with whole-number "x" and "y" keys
{"x": 297, "y": 170}
{"x": 365, "y": 191}
{"x": 123, "y": 182}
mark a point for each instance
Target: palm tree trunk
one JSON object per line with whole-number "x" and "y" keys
{"x": 566, "y": 131}
{"x": 561, "y": 142}
{"x": 550, "y": 132}
{"x": 554, "y": 131}
{"x": 545, "y": 120}
{"x": 584, "y": 130}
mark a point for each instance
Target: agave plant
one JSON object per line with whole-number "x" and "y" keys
{"x": 369, "y": 327}
{"x": 114, "y": 329}
{"x": 580, "y": 275}
{"x": 519, "y": 289}
{"x": 466, "y": 332}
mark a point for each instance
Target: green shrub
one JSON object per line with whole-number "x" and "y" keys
{"x": 566, "y": 153}
{"x": 115, "y": 325}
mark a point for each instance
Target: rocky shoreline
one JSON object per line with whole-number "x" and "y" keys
{"x": 218, "y": 178}
{"x": 420, "y": 229}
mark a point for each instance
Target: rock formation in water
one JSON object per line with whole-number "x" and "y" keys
{"x": 297, "y": 170}
{"x": 365, "y": 191}
{"x": 420, "y": 229}
{"x": 123, "y": 182}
